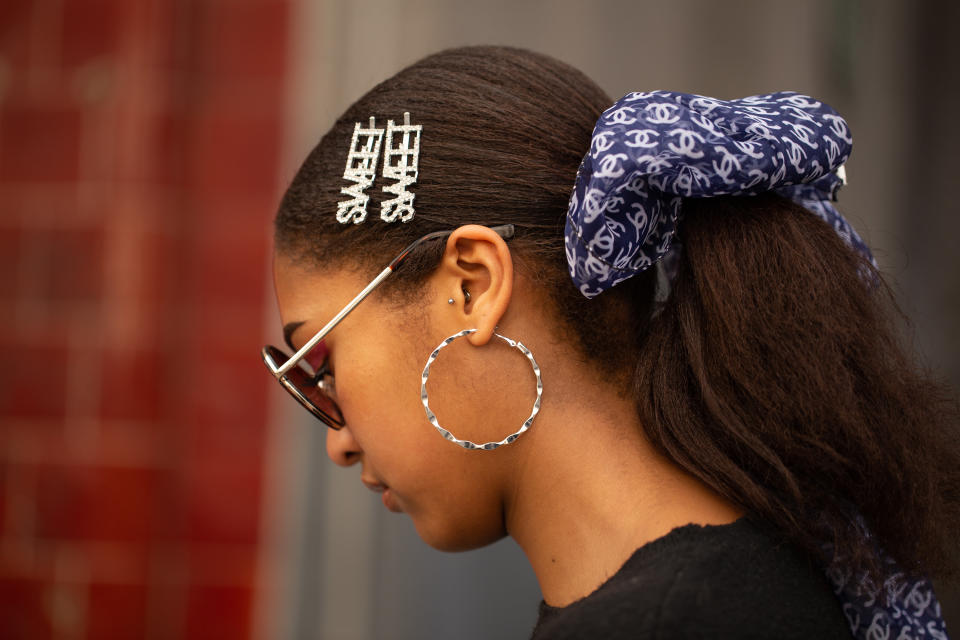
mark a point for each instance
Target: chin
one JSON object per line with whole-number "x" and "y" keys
{"x": 452, "y": 536}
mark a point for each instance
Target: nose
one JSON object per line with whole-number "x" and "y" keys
{"x": 342, "y": 447}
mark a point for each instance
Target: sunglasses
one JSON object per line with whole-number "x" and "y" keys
{"x": 315, "y": 389}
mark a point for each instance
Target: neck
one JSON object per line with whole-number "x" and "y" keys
{"x": 589, "y": 490}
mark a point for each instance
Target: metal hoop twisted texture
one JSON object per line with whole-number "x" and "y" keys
{"x": 466, "y": 444}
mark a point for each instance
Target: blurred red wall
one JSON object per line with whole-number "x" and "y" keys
{"x": 139, "y": 144}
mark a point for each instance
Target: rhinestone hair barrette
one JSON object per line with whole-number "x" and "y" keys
{"x": 401, "y": 157}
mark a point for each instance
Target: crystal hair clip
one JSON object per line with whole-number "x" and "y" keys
{"x": 401, "y": 157}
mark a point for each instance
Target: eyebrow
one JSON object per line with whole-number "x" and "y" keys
{"x": 288, "y": 330}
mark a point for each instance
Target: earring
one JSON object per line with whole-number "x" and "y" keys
{"x": 466, "y": 297}
{"x": 466, "y": 444}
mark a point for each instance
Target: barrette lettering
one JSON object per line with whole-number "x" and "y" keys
{"x": 400, "y": 163}
{"x": 361, "y": 170}
{"x": 401, "y": 158}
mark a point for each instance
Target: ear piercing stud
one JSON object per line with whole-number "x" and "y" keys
{"x": 466, "y": 297}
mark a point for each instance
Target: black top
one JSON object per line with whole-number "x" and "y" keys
{"x": 717, "y": 582}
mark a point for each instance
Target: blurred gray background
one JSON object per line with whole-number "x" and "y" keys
{"x": 349, "y": 570}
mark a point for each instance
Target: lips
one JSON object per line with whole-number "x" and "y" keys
{"x": 387, "y": 497}
{"x": 373, "y": 485}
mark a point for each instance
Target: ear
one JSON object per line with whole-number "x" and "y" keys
{"x": 478, "y": 261}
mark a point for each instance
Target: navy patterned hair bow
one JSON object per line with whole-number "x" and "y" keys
{"x": 651, "y": 150}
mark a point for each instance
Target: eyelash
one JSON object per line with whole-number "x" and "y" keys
{"x": 324, "y": 375}
{"x": 324, "y": 369}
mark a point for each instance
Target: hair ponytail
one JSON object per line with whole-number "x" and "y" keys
{"x": 775, "y": 375}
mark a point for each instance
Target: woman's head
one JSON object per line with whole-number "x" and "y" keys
{"x": 713, "y": 376}
{"x": 503, "y": 133}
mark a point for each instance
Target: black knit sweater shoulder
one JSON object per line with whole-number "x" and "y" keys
{"x": 719, "y": 582}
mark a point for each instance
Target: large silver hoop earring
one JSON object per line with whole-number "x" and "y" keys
{"x": 466, "y": 444}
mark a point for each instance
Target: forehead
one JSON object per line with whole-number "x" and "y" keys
{"x": 305, "y": 293}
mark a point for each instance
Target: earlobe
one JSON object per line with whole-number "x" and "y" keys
{"x": 480, "y": 263}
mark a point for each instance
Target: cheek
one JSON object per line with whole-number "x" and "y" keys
{"x": 450, "y": 493}
{"x": 378, "y": 385}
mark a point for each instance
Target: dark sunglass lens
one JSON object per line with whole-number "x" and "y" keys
{"x": 302, "y": 386}
{"x": 321, "y": 404}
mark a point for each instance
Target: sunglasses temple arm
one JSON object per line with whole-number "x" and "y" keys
{"x": 305, "y": 349}
{"x": 505, "y": 231}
